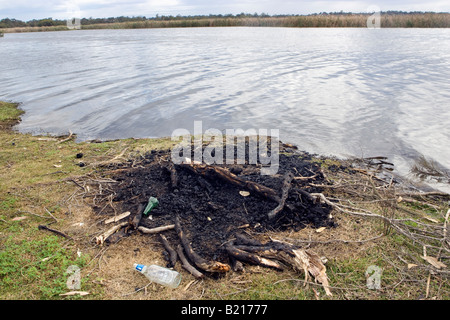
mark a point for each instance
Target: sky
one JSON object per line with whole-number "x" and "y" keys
{"x": 63, "y": 9}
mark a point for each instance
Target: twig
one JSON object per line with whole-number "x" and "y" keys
{"x": 41, "y": 227}
{"x": 423, "y": 194}
{"x": 67, "y": 139}
{"x": 119, "y": 156}
{"x": 333, "y": 241}
{"x": 137, "y": 290}
{"x": 305, "y": 178}
{"x": 51, "y": 214}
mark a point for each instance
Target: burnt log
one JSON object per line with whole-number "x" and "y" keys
{"x": 242, "y": 239}
{"x": 136, "y": 220}
{"x": 205, "y": 265}
{"x": 173, "y": 257}
{"x": 186, "y": 265}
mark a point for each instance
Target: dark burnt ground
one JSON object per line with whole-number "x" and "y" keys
{"x": 211, "y": 210}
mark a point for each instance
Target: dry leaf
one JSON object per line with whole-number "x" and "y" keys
{"x": 244, "y": 193}
{"x": 434, "y": 262}
{"x": 411, "y": 265}
{"x": 320, "y": 229}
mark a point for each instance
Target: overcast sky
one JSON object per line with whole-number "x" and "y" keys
{"x": 58, "y": 9}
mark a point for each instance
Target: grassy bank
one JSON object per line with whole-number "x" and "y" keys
{"x": 50, "y": 181}
{"x": 412, "y": 20}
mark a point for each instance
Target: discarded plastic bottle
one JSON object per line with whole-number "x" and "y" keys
{"x": 152, "y": 203}
{"x": 161, "y": 275}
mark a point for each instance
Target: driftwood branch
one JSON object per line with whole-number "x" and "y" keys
{"x": 156, "y": 230}
{"x": 285, "y": 192}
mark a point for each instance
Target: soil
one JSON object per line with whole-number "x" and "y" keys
{"x": 211, "y": 210}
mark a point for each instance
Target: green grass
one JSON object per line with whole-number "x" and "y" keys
{"x": 33, "y": 263}
{"x": 9, "y": 111}
{"x": 36, "y": 268}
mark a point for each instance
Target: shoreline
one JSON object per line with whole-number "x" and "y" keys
{"x": 15, "y": 113}
{"x": 359, "y": 20}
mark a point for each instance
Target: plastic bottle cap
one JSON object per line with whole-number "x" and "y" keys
{"x": 138, "y": 267}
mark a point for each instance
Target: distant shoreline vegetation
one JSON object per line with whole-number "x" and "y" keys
{"x": 389, "y": 19}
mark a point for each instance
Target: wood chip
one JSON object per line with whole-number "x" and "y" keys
{"x": 320, "y": 229}
{"x": 19, "y": 218}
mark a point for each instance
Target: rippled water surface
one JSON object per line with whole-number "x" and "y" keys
{"x": 339, "y": 91}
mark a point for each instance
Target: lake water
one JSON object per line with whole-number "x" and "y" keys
{"x": 357, "y": 92}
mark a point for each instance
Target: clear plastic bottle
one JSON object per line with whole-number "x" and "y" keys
{"x": 161, "y": 275}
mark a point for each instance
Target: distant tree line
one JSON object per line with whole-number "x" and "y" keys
{"x": 48, "y": 22}
{"x": 389, "y": 19}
